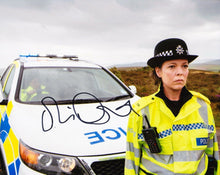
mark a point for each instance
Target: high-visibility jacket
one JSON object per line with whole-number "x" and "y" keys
{"x": 26, "y": 94}
{"x": 187, "y": 140}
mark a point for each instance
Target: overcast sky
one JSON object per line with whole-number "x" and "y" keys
{"x": 107, "y": 32}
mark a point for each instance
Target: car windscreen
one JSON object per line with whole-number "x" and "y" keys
{"x": 68, "y": 84}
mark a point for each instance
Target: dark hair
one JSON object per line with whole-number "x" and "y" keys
{"x": 157, "y": 80}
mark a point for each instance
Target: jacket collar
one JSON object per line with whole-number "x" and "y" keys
{"x": 175, "y": 106}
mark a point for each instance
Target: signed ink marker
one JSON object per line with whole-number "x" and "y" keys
{"x": 75, "y": 114}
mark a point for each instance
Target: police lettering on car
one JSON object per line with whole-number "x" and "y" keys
{"x": 62, "y": 115}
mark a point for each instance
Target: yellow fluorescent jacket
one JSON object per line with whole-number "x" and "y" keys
{"x": 186, "y": 140}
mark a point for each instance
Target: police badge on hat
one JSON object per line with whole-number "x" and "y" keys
{"x": 170, "y": 49}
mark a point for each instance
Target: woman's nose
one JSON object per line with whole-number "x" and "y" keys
{"x": 179, "y": 71}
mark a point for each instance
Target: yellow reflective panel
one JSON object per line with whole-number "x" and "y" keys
{"x": 8, "y": 150}
{"x": 9, "y": 108}
{"x": 14, "y": 142}
{"x": 2, "y": 109}
{"x": 11, "y": 147}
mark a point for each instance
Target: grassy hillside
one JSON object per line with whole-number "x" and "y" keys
{"x": 207, "y": 83}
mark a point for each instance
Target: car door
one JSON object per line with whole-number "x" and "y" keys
{"x": 8, "y": 147}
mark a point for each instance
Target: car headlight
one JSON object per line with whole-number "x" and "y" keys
{"x": 46, "y": 162}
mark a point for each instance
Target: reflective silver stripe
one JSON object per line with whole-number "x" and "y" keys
{"x": 162, "y": 158}
{"x": 201, "y": 166}
{"x": 203, "y": 110}
{"x": 132, "y": 131}
{"x": 180, "y": 156}
{"x": 129, "y": 164}
{"x": 145, "y": 111}
{"x": 184, "y": 174}
{"x": 187, "y": 156}
{"x": 216, "y": 155}
{"x": 131, "y": 148}
{"x": 210, "y": 143}
{"x": 152, "y": 167}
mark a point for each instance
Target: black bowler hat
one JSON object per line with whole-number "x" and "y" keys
{"x": 170, "y": 49}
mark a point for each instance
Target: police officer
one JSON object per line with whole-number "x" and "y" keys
{"x": 32, "y": 91}
{"x": 184, "y": 142}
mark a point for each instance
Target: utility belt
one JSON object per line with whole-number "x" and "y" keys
{"x": 212, "y": 166}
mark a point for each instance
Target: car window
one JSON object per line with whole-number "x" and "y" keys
{"x": 7, "y": 79}
{"x": 67, "y": 84}
{"x": 5, "y": 75}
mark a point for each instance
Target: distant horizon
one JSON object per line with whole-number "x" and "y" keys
{"x": 214, "y": 61}
{"x": 143, "y": 64}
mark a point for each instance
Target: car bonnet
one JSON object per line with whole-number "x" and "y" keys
{"x": 77, "y": 130}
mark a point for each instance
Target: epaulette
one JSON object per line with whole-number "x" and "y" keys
{"x": 142, "y": 102}
{"x": 199, "y": 95}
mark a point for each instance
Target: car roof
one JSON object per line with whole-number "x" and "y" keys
{"x": 54, "y": 61}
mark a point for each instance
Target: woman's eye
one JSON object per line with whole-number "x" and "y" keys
{"x": 171, "y": 66}
{"x": 185, "y": 66}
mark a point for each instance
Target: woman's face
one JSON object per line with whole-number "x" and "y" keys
{"x": 173, "y": 73}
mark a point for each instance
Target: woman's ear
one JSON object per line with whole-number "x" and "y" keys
{"x": 158, "y": 71}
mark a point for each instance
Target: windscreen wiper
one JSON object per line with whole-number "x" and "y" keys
{"x": 118, "y": 97}
{"x": 80, "y": 101}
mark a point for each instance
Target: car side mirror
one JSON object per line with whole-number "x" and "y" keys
{"x": 133, "y": 89}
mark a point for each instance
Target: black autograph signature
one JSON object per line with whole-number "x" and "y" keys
{"x": 102, "y": 119}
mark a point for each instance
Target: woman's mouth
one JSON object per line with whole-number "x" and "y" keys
{"x": 179, "y": 81}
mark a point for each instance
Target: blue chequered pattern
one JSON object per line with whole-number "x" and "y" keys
{"x": 192, "y": 126}
{"x": 165, "y": 133}
{"x": 140, "y": 136}
{"x": 210, "y": 127}
{"x": 181, "y": 127}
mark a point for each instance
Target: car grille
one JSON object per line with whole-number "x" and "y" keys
{"x": 109, "y": 167}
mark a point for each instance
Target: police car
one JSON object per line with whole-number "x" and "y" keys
{"x": 62, "y": 115}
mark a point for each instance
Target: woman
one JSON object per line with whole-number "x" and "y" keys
{"x": 172, "y": 131}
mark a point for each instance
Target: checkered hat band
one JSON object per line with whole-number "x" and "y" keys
{"x": 165, "y": 53}
{"x": 179, "y": 50}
